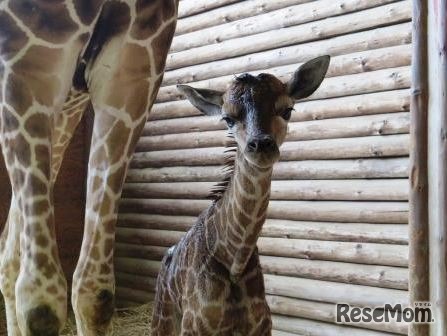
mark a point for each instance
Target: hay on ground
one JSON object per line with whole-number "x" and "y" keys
{"x": 133, "y": 321}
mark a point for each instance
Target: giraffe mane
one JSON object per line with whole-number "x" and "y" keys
{"x": 221, "y": 187}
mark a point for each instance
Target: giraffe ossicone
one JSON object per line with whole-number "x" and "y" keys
{"x": 211, "y": 282}
{"x": 57, "y": 59}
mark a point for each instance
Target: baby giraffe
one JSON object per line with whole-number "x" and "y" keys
{"x": 211, "y": 282}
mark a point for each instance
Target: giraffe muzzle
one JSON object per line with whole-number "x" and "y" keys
{"x": 262, "y": 151}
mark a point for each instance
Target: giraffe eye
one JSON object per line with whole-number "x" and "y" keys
{"x": 230, "y": 121}
{"x": 287, "y": 113}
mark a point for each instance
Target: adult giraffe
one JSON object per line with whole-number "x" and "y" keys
{"x": 57, "y": 57}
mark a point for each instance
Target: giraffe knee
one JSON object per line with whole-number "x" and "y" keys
{"x": 42, "y": 321}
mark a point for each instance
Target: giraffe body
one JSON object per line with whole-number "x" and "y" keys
{"x": 56, "y": 59}
{"x": 211, "y": 282}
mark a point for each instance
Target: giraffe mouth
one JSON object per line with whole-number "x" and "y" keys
{"x": 262, "y": 159}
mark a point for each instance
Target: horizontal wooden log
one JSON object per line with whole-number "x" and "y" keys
{"x": 205, "y": 123}
{"x": 138, "y": 251}
{"x": 341, "y": 45}
{"x": 300, "y": 170}
{"x": 137, "y": 266}
{"x": 345, "y": 148}
{"x": 231, "y": 13}
{"x": 362, "y": 253}
{"x": 380, "y": 124}
{"x": 133, "y": 295}
{"x": 325, "y": 211}
{"x": 340, "y": 66}
{"x": 325, "y": 291}
{"x": 356, "y": 105}
{"x": 391, "y": 145}
{"x": 352, "y": 106}
{"x": 309, "y": 327}
{"x": 281, "y": 18}
{"x": 175, "y": 174}
{"x": 368, "y": 275}
{"x": 183, "y": 125}
{"x": 191, "y": 7}
{"x": 366, "y": 253}
{"x": 340, "y": 86}
{"x": 355, "y": 232}
{"x": 325, "y": 312}
{"x": 359, "y": 190}
{"x": 135, "y": 281}
{"x": 156, "y": 222}
{"x": 366, "y": 19}
{"x": 363, "y": 212}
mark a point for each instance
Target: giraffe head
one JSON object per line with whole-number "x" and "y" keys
{"x": 257, "y": 108}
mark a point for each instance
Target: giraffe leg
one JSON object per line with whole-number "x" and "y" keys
{"x": 34, "y": 87}
{"x": 65, "y": 124}
{"x": 164, "y": 322}
{"x": 120, "y": 114}
{"x": 123, "y": 81}
{"x": 10, "y": 265}
{"x": 113, "y": 140}
{"x": 40, "y": 287}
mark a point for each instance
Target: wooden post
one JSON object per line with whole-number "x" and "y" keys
{"x": 418, "y": 197}
{"x": 437, "y": 161}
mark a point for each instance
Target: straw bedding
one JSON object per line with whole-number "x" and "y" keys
{"x": 133, "y": 321}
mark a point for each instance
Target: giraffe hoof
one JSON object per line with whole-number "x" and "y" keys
{"x": 42, "y": 321}
{"x": 104, "y": 309}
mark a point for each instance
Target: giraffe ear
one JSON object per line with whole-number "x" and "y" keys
{"x": 207, "y": 101}
{"x": 308, "y": 77}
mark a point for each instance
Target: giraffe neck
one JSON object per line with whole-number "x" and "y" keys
{"x": 234, "y": 227}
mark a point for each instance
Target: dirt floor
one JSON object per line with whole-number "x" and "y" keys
{"x": 129, "y": 322}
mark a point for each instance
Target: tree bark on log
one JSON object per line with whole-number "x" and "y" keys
{"x": 366, "y": 19}
{"x": 300, "y": 326}
{"x": 343, "y": 272}
{"x": 348, "y": 64}
{"x": 418, "y": 214}
{"x": 363, "y": 253}
{"x": 355, "y": 42}
{"x": 381, "y": 124}
{"x": 231, "y": 13}
{"x": 344, "y": 148}
{"x": 281, "y": 18}
{"x": 348, "y": 212}
{"x": 191, "y": 7}
{"x": 355, "y": 190}
{"x": 325, "y": 291}
{"x": 437, "y": 165}
{"x": 324, "y": 312}
{"x": 354, "y": 232}
{"x": 299, "y": 170}
{"x": 324, "y": 211}
{"x": 339, "y": 86}
{"x": 367, "y": 275}
{"x": 350, "y": 106}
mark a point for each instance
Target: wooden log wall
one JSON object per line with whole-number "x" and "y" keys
{"x": 337, "y": 227}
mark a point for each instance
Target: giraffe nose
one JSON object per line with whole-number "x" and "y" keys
{"x": 261, "y": 144}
